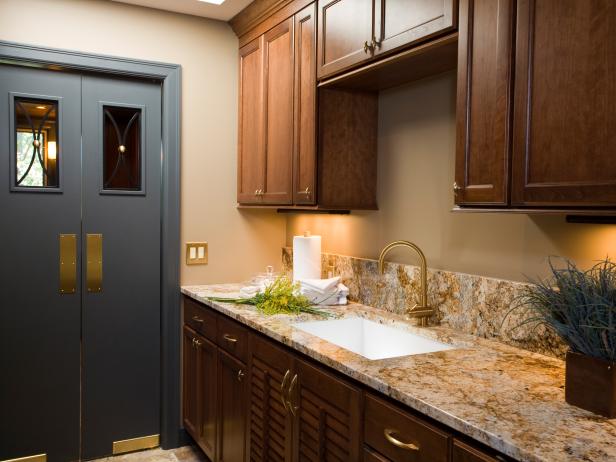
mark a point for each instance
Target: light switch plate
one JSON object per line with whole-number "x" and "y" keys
{"x": 196, "y": 253}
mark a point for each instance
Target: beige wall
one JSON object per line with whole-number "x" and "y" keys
{"x": 240, "y": 242}
{"x": 416, "y": 172}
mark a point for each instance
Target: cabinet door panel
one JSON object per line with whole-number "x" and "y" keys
{"x": 208, "y": 400}
{"x": 328, "y": 416}
{"x": 564, "y": 137}
{"x": 484, "y": 102}
{"x": 304, "y": 182}
{"x": 400, "y": 23}
{"x": 232, "y": 408}
{"x": 270, "y": 433}
{"x": 251, "y": 152}
{"x": 189, "y": 383}
{"x": 278, "y": 56}
{"x": 344, "y": 26}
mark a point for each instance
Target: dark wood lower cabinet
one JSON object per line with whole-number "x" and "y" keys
{"x": 249, "y": 398}
{"x": 232, "y": 379}
{"x": 328, "y": 413}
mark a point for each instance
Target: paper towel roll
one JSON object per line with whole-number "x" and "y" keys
{"x": 306, "y": 257}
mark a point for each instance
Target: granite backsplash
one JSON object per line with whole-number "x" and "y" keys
{"x": 476, "y": 305}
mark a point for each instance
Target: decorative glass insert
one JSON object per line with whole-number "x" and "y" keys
{"x": 37, "y": 151}
{"x": 121, "y": 148}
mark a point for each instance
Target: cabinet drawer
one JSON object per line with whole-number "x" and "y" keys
{"x": 233, "y": 338}
{"x": 200, "y": 318}
{"x": 464, "y": 453}
{"x": 371, "y": 456}
{"x": 401, "y": 436}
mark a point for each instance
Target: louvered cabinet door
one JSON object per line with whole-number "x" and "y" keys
{"x": 327, "y": 426}
{"x": 270, "y": 433}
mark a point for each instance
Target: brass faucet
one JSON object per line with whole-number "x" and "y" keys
{"x": 421, "y": 310}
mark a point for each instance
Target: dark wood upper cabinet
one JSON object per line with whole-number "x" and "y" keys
{"x": 328, "y": 425}
{"x": 232, "y": 379}
{"x": 270, "y": 433}
{"x": 565, "y": 95}
{"x": 346, "y": 28}
{"x": 400, "y": 23}
{"x": 251, "y": 148}
{"x": 484, "y": 102}
{"x": 305, "y": 169}
{"x": 278, "y": 55}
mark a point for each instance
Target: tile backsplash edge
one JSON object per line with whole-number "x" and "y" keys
{"x": 477, "y": 305}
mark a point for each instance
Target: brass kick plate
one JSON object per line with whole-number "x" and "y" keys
{"x": 37, "y": 458}
{"x": 94, "y": 268}
{"x": 68, "y": 263}
{"x": 135, "y": 444}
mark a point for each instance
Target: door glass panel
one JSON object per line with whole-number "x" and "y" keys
{"x": 37, "y": 151}
{"x": 121, "y": 148}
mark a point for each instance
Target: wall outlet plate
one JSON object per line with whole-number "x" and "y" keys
{"x": 196, "y": 253}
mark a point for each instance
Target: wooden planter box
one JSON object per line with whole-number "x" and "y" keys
{"x": 590, "y": 383}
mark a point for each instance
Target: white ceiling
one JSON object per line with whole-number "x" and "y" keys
{"x": 224, "y": 12}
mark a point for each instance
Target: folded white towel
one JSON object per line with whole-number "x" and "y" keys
{"x": 336, "y": 295}
{"x": 320, "y": 285}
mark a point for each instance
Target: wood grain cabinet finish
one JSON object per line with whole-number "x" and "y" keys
{"x": 346, "y": 27}
{"x": 400, "y": 23}
{"x": 304, "y": 159}
{"x": 328, "y": 425}
{"x": 207, "y": 396}
{"x": 565, "y": 100}
{"x": 190, "y": 374}
{"x": 278, "y": 54}
{"x": 462, "y": 452}
{"x": 251, "y": 143}
{"x": 400, "y": 436}
{"x": 232, "y": 379}
{"x": 270, "y": 422}
{"x": 484, "y": 102}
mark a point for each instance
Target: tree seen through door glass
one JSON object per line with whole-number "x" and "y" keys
{"x": 37, "y": 150}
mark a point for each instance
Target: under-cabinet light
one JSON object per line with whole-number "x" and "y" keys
{"x": 215, "y": 2}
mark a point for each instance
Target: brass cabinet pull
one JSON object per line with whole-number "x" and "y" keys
{"x": 307, "y": 191}
{"x": 367, "y": 47}
{"x": 198, "y": 343}
{"x": 193, "y": 342}
{"x": 389, "y": 432}
{"x": 240, "y": 375}
{"x": 456, "y": 187}
{"x": 293, "y": 407}
{"x": 375, "y": 43}
{"x": 94, "y": 264}
{"x": 283, "y": 384}
{"x": 229, "y": 338}
{"x": 68, "y": 263}
{"x": 196, "y": 318}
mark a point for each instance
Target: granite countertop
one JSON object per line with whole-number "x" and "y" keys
{"x": 507, "y": 398}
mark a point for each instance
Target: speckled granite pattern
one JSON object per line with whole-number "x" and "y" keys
{"x": 472, "y": 304}
{"x": 508, "y": 398}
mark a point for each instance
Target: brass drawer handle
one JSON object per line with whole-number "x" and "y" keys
{"x": 283, "y": 385}
{"x": 196, "y": 318}
{"x": 198, "y": 343}
{"x": 456, "y": 187}
{"x": 228, "y": 338}
{"x": 389, "y": 432}
{"x": 307, "y": 191}
{"x": 240, "y": 375}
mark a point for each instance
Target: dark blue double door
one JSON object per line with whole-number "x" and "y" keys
{"x": 80, "y": 199}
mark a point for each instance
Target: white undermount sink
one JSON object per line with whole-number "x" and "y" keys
{"x": 371, "y": 339}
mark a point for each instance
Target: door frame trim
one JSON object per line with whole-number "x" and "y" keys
{"x": 169, "y": 76}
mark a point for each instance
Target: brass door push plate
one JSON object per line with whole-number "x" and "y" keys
{"x": 94, "y": 262}
{"x": 68, "y": 263}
